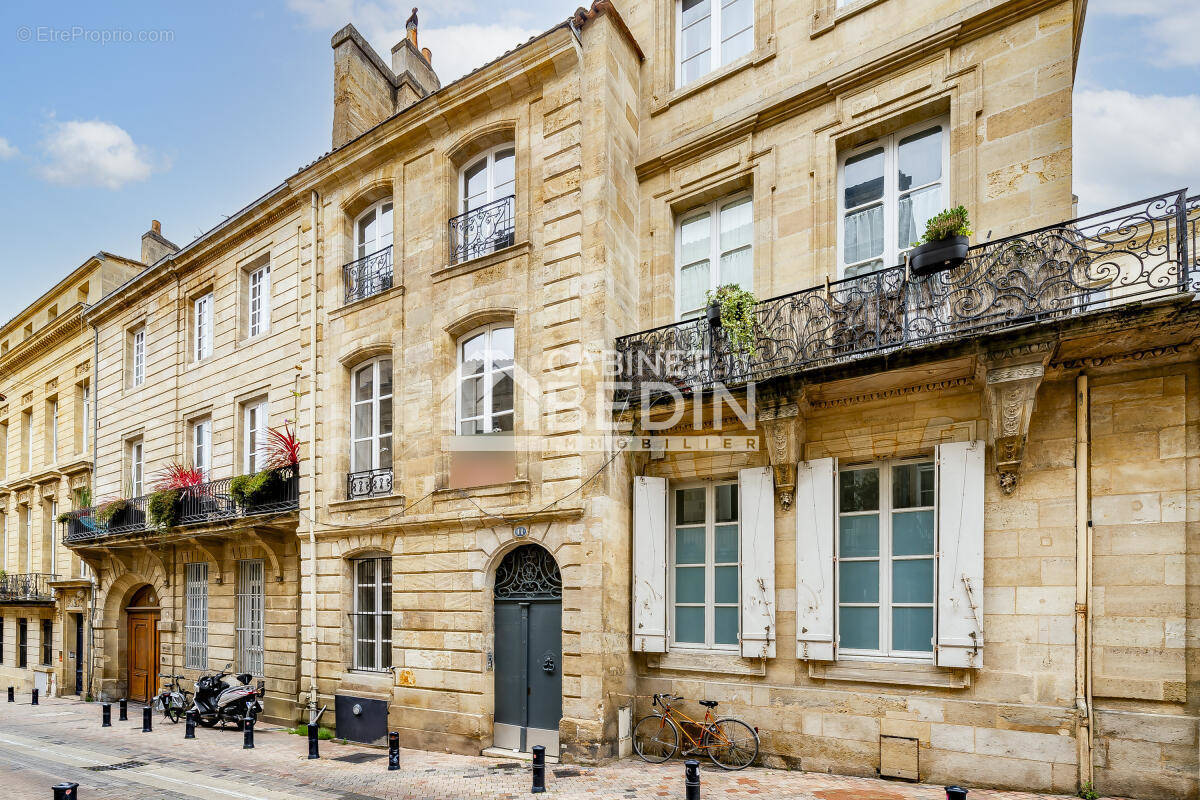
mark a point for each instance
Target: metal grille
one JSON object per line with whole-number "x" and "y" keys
{"x": 371, "y": 621}
{"x": 528, "y": 573}
{"x": 369, "y": 275}
{"x": 250, "y": 616}
{"x": 196, "y": 617}
{"x": 482, "y": 230}
{"x": 47, "y": 642}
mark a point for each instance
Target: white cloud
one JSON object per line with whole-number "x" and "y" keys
{"x": 458, "y": 49}
{"x": 1129, "y": 146}
{"x": 93, "y": 153}
{"x": 1173, "y": 26}
{"x": 7, "y": 150}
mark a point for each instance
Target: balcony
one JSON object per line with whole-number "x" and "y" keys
{"x": 204, "y": 504}
{"x": 1124, "y": 256}
{"x": 368, "y": 483}
{"x": 368, "y": 276}
{"x": 482, "y": 230}
{"x": 26, "y": 588}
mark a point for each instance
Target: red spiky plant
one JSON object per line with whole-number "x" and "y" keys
{"x": 178, "y": 476}
{"x": 283, "y": 448}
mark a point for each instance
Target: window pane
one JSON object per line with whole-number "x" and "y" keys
{"x": 473, "y": 351}
{"x": 504, "y": 168}
{"x": 475, "y": 182}
{"x": 502, "y": 348}
{"x": 363, "y": 422}
{"x": 470, "y": 428}
{"x": 914, "y": 211}
{"x": 502, "y": 423}
{"x": 912, "y": 533}
{"x": 863, "y": 234}
{"x": 689, "y": 584}
{"x": 693, "y": 10}
{"x": 920, "y": 158}
{"x": 366, "y": 233}
{"x": 860, "y": 490}
{"x": 726, "y": 626}
{"x": 385, "y": 452}
{"x": 384, "y": 237}
{"x": 697, "y": 38}
{"x": 695, "y": 68}
{"x": 859, "y": 628}
{"x": 726, "y": 589}
{"x": 693, "y": 286}
{"x": 738, "y": 267}
{"x": 689, "y": 506}
{"x": 726, "y": 544}
{"x": 912, "y": 629}
{"x": 912, "y": 581}
{"x": 689, "y": 625}
{"x": 472, "y": 397}
{"x": 864, "y": 268}
{"x": 858, "y": 536}
{"x": 912, "y": 485}
{"x": 385, "y": 416}
{"x": 693, "y": 239}
{"x": 858, "y": 581}
{"x": 727, "y": 506}
{"x": 385, "y": 377}
{"x": 736, "y": 15}
{"x": 689, "y": 546}
{"x": 737, "y": 222}
{"x": 502, "y": 392}
{"x": 364, "y": 382}
{"x": 737, "y": 46}
{"x": 863, "y": 178}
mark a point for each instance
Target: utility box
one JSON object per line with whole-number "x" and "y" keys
{"x": 361, "y": 719}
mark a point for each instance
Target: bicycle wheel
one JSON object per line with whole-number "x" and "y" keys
{"x": 730, "y": 743}
{"x": 172, "y": 711}
{"x": 655, "y": 738}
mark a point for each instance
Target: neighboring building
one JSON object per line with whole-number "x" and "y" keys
{"x": 903, "y": 570}
{"x": 46, "y": 434}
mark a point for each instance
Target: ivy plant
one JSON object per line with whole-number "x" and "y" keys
{"x": 946, "y": 224}
{"x": 737, "y": 315}
{"x": 163, "y": 507}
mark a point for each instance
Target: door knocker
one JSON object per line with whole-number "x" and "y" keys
{"x": 548, "y": 663}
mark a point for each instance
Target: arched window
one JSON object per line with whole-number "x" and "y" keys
{"x": 485, "y": 377}
{"x": 373, "y": 229}
{"x": 371, "y": 416}
{"x": 486, "y": 202}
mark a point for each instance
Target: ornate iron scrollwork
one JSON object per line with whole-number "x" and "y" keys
{"x": 528, "y": 573}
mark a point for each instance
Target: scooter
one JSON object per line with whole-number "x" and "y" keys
{"x": 221, "y": 700}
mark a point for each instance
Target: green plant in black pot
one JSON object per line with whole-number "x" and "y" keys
{"x": 945, "y": 243}
{"x": 249, "y": 491}
{"x": 731, "y": 308}
{"x": 65, "y": 517}
{"x": 163, "y": 507}
{"x": 109, "y": 509}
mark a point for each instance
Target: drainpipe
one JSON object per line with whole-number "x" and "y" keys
{"x": 1083, "y": 581}
{"x": 91, "y": 661}
{"x": 312, "y": 460}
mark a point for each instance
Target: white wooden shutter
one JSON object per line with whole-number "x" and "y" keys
{"x": 649, "y": 565}
{"x": 960, "y": 554}
{"x": 814, "y": 559}
{"x": 756, "y": 496}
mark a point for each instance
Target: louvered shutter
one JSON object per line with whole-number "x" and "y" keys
{"x": 649, "y": 565}
{"x": 814, "y": 559}
{"x": 756, "y": 490}
{"x": 960, "y": 554}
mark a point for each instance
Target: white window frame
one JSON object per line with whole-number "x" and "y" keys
{"x": 885, "y": 558}
{"x": 893, "y": 254}
{"x": 52, "y": 421}
{"x": 27, "y": 533}
{"x": 259, "y": 300}
{"x": 202, "y": 446}
{"x": 195, "y": 626}
{"x": 86, "y": 414}
{"x": 380, "y": 635}
{"x": 27, "y": 440}
{"x": 255, "y": 421}
{"x": 710, "y": 565}
{"x": 713, "y": 210}
{"x": 383, "y": 238}
{"x": 136, "y": 467}
{"x": 202, "y": 314}
{"x": 488, "y": 377}
{"x": 251, "y": 602}
{"x": 139, "y": 356}
{"x": 490, "y": 171}
{"x": 48, "y": 530}
{"x": 716, "y": 40}
{"x": 375, "y": 402}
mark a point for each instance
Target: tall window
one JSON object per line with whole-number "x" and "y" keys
{"x": 259, "y": 312}
{"x": 51, "y": 456}
{"x": 250, "y": 616}
{"x": 4, "y": 449}
{"x": 715, "y": 247}
{"x": 135, "y": 468}
{"x": 22, "y": 642}
{"x": 485, "y": 375}
{"x": 138, "y": 356}
{"x": 4, "y": 540}
{"x": 27, "y": 440}
{"x": 373, "y": 229}
{"x": 711, "y": 34}
{"x": 490, "y": 177}
{"x": 372, "y": 613}
{"x": 371, "y": 428}
{"x": 202, "y": 446}
{"x": 887, "y": 190}
{"x": 254, "y": 436}
{"x": 47, "y": 641}
{"x": 202, "y": 317}
{"x": 49, "y": 540}
{"x": 83, "y": 413}
{"x": 195, "y": 624}
{"x": 26, "y": 544}
{"x": 2, "y": 626}
{"x": 885, "y": 581}
{"x": 704, "y": 560}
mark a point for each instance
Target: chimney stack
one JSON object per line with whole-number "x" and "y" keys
{"x": 154, "y": 245}
{"x": 411, "y": 27}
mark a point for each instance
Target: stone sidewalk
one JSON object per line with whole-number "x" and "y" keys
{"x": 62, "y": 740}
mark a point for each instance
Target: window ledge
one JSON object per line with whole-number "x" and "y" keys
{"x": 485, "y": 490}
{"x": 711, "y": 662}
{"x": 824, "y": 23}
{"x": 480, "y": 262}
{"x": 894, "y": 673}
{"x": 752, "y": 59}
{"x": 367, "y": 302}
{"x": 367, "y": 683}
{"x": 367, "y": 502}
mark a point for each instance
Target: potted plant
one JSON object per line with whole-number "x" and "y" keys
{"x": 261, "y": 488}
{"x": 735, "y": 314}
{"x": 945, "y": 243}
{"x": 109, "y": 509}
{"x": 163, "y": 508}
{"x": 283, "y": 449}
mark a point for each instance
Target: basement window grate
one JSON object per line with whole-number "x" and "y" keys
{"x": 119, "y": 765}
{"x": 359, "y": 758}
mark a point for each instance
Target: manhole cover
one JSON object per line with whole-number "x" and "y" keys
{"x": 120, "y": 765}
{"x": 567, "y": 773}
{"x": 359, "y": 758}
{"x": 508, "y": 765}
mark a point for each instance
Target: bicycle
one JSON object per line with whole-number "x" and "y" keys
{"x": 729, "y": 742}
{"x": 173, "y": 699}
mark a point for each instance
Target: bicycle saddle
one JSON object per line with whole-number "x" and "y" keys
{"x": 709, "y": 703}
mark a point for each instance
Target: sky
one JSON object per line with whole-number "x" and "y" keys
{"x": 115, "y": 113}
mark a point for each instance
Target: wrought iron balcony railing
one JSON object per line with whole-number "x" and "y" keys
{"x": 26, "y": 587}
{"x": 482, "y": 230}
{"x": 1141, "y": 251}
{"x": 369, "y": 275}
{"x": 198, "y": 505}
{"x": 368, "y": 483}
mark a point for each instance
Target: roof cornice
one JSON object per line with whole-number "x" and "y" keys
{"x": 44, "y": 339}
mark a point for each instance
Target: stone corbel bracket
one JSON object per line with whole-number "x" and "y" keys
{"x": 783, "y": 432}
{"x": 1011, "y": 394}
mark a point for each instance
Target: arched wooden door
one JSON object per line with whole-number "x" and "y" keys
{"x": 142, "y": 643}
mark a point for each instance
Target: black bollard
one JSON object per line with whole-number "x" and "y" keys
{"x": 539, "y": 769}
{"x": 312, "y": 741}
{"x": 393, "y": 751}
{"x": 146, "y": 723}
{"x": 956, "y": 793}
{"x": 34, "y": 701}
{"x": 123, "y": 708}
{"x": 189, "y": 725}
{"x": 248, "y": 732}
{"x": 691, "y": 779}
{"x": 66, "y": 791}
{"x": 106, "y": 715}
{"x": 12, "y": 694}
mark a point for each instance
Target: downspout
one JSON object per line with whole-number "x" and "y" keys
{"x": 1083, "y": 581}
{"x": 312, "y": 461}
{"x": 95, "y": 454}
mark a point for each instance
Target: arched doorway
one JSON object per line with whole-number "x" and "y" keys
{"x": 142, "y": 613}
{"x": 528, "y": 646}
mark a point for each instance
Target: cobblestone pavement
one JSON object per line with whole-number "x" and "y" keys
{"x": 62, "y": 740}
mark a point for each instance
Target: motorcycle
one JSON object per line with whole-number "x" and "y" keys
{"x": 172, "y": 701}
{"x": 220, "y": 700}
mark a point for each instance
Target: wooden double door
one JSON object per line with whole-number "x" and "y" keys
{"x": 142, "y": 640}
